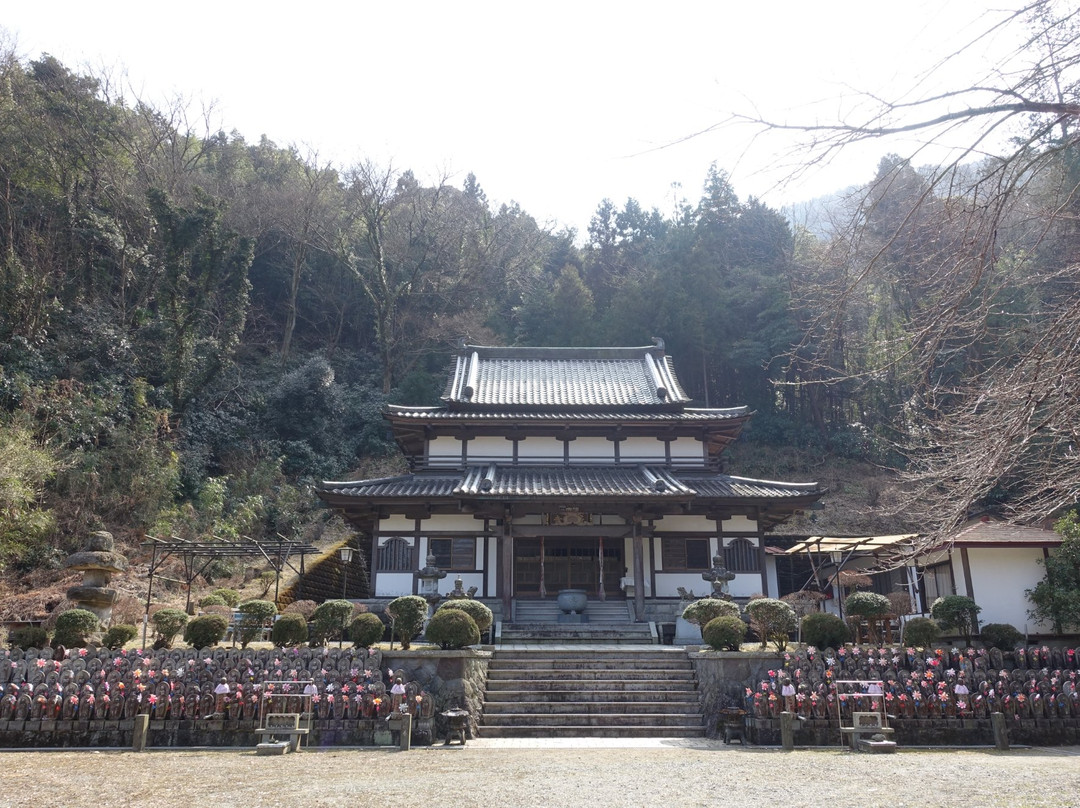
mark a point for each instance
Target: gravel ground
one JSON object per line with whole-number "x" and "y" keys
{"x": 479, "y": 775}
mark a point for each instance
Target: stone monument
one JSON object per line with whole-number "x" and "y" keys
{"x": 98, "y": 563}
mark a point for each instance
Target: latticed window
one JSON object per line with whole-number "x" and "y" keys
{"x": 740, "y": 555}
{"x": 395, "y": 555}
{"x": 685, "y": 554}
{"x": 454, "y": 554}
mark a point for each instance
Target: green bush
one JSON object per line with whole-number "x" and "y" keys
{"x": 1001, "y": 635}
{"x": 167, "y": 624}
{"x": 408, "y": 614}
{"x": 212, "y": 600}
{"x": 724, "y": 633}
{"x": 704, "y": 611}
{"x": 254, "y": 615}
{"x": 921, "y": 632}
{"x": 480, "y": 613}
{"x": 824, "y": 630}
{"x": 27, "y": 637}
{"x": 866, "y": 604}
{"x": 74, "y": 627}
{"x": 230, "y": 596}
{"x": 330, "y": 619}
{"x": 119, "y": 635}
{"x": 772, "y": 620}
{"x": 206, "y": 630}
{"x": 958, "y": 613}
{"x": 453, "y": 628}
{"x": 289, "y": 630}
{"x": 366, "y": 630}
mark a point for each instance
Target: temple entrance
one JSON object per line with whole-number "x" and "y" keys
{"x": 567, "y": 563}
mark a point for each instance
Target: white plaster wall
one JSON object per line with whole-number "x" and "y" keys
{"x": 540, "y": 448}
{"x": 489, "y": 448}
{"x": 592, "y": 450}
{"x": 628, "y": 557}
{"x": 492, "y": 565}
{"x": 999, "y": 577}
{"x": 393, "y": 584}
{"x": 770, "y": 576}
{"x": 745, "y": 585}
{"x": 668, "y": 583}
{"x": 740, "y": 524}
{"x": 633, "y": 450}
{"x": 444, "y": 451}
{"x": 396, "y": 524}
{"x": 687, "y": 449}
{"x": 463, "y": 523}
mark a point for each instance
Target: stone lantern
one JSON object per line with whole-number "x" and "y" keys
{"x": 429, "y": 581}
{"x": 98, "y": 563}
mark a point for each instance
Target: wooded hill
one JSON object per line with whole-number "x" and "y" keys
{"x": 194, "y": 329}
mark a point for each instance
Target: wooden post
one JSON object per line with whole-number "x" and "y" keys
{"x": 639, "y": 573}
{"x": 142, "y": 729}
{"x": 1001, "y": 732}
{"x": 787, "y": 731}
{"x": 506, "y": 582}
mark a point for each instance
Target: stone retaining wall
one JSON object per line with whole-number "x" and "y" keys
{"x": 926, "y": 731}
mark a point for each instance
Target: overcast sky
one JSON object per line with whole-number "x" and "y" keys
{"x": 554, "y": 105}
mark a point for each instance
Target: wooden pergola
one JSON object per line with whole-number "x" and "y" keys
{"x": 198, "y": 555}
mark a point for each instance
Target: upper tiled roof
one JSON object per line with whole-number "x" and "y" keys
{"x": 427, "y": 414}
{"x": 571, "y": 378}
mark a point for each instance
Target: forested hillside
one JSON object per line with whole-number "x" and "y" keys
{"x": 194, "y": 328}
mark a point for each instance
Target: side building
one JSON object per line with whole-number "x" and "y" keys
{"x": 567, "y": 468}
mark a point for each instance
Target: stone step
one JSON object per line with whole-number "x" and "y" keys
{"x": 494, "y": 708}
{"x": 614, "y": 655}
{"x": 684, "y": 695}
{"x": 570, "y": 676}
{"x": 600, "y": 685}
{"x": 540, "y": 731}
{"x": 615, "y": 720}
{"x": 590, "y": 663}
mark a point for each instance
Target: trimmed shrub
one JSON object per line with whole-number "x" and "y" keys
{"x": 724, "y": 633}
{"x": 254, "y": 615}
{"x": 366, "y": 629}
{"x": 74, "y": 627}
{"x": 212, "y": 600}
{"x": 27, "y": 637}
{"x": 480, "y": 613}
{"x": 206, "y": 630}
{"x": 167, "y": 624}
{"x": 408, "y": 614}
{"x": 330, "y": 619}
{"x": 958, "y": 613}
{"x": 704, "y": 611}
{"x": 921, "y": 632}
{"x": 230, "y": 596}
{"x": 119, "y": 635}
{"x": 1001, "y": 635}
{"x": 772, "y": 620}
{"x": 823, "y": 630}
{"x": 866, "y": 604}
{"x": 453, "y": 628}
{"x": 289, "y": 630}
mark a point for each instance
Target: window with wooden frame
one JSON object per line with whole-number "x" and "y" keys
{"x": 395, "y": 555}
{"x": 454, "y": 554}
{"x": 740, "y": 555}
{"x": 685, "y": 554}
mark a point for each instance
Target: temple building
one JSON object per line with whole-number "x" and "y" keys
{"x": 547, "y": 469}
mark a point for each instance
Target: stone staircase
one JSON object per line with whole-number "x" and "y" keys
{"x": 609, "y": 622}
{"x": 604, "y": 692}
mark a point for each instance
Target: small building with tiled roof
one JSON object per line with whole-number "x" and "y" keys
{"x": 566, "y": 468}
{"x": 994, "y": 563}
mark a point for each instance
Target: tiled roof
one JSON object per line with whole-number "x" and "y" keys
{"x": 487, "y": 416}
{"x": 994, "y": 532}
{"x": 573, "y": 378}
{"x": 512, "y": 482}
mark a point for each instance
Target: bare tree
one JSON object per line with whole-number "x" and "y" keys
{"x": 976, "y": 263}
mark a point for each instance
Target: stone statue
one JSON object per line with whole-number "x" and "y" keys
{"x": 98, "y": 563}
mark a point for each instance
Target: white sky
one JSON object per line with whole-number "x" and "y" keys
{"x": 554, "y": 105}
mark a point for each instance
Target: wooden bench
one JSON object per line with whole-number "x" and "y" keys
{"x": 286, "y": 724}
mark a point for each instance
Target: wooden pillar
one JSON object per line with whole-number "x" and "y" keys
{"x": 506, "y": 577}
{"x": 639, "y": 573}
